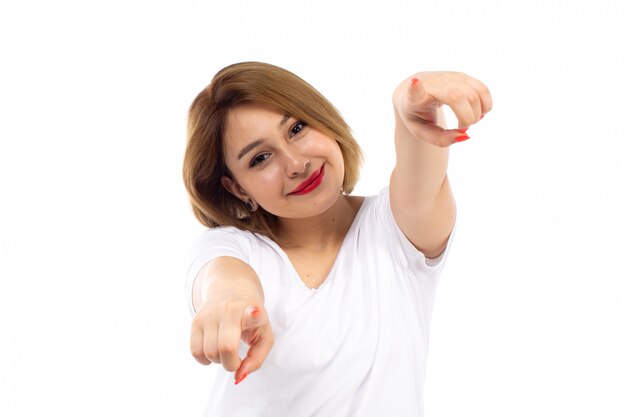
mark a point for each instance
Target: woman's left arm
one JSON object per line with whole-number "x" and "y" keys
{"x": 421, "y": 198}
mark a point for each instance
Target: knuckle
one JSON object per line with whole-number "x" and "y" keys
{"x": 230, "y": 367}
{"x": 197, "y": 321}
{"x": 212, "y": 355}
{"x": 198, "y": 354}
{"x": 201, "y": 319}
{"x": 454, "y": 76}
{"x": 455, "y": 96}
{"x": 228, "y": 348}
{"x": 196, "y": 348}
{"x": 473, "y": 98}
{"x": 482, "y": 89}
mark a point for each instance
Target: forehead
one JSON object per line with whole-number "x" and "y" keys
{"x": 250, "y": 122}
{"x": 250, "y": 116}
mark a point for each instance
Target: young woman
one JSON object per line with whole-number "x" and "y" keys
{"x": 325, "y": 296}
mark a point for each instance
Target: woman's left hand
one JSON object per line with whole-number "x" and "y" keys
{"x": 417, "y": 99}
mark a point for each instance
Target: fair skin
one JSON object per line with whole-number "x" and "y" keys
{"x": 311, "y": 226}
{"x": 270, "y": 155}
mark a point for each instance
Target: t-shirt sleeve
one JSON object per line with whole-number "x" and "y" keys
{"x": 414, "y": 260}
{"x": 211, "y": 244}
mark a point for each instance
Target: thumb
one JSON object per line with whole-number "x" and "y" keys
{"x": 253, "y": 317}
{"x": 417, "y": 95}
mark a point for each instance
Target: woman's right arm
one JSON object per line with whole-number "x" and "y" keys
{"x": 229, "y": 300}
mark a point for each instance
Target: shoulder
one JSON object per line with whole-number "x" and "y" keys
{"x": 227, "y": 233}
{"x": 220, "y": 234}
{"x": 224, "y": 240}
{"x": 378, "y": 227}
{"x": 231, "y": 241}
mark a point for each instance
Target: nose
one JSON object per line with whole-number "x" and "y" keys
{"x": 296, "y": 164}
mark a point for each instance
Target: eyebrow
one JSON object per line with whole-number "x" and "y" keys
{"x": 257, "y": 142}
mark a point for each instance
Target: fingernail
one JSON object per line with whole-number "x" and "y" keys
{"x": 461, "y": 138}
{"x": 414, "y": 81}
{"x": 463, "y": 130}
{"x": 241, "y": 378}
{"x": 255, "y": 311}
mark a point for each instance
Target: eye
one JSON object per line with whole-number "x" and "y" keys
{"x": 297, "y": 128}
{"x": 259, "y": 159}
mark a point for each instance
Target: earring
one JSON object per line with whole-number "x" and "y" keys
{"x": 252, "y": 206}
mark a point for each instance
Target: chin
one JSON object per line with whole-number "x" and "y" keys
{"x": 324, "y": 202}
{"x": 309, "y": 205}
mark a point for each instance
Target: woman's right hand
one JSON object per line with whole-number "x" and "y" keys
{"x": 232, "y": 311}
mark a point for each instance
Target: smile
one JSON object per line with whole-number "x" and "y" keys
{"x": 310, "y": 183}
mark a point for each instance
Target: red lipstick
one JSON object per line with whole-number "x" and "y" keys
{"x": 310, "y": 183}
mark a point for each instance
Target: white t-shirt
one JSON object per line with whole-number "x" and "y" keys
{"x": 355, "y": 346}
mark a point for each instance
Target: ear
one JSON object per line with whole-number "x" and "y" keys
{"x": 234, "y": 188}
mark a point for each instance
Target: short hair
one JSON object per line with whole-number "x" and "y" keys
{"x": 204, "y": 163}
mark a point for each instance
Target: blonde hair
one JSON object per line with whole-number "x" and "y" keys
{"x": 204, "y": 164}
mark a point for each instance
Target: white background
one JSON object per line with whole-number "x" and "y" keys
{"x": 95, "y": 227}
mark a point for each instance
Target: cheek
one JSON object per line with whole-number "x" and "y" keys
{"x": 338, "y": 155}
{"x": 262, "y": 181}
{"x": 324, "y": 145}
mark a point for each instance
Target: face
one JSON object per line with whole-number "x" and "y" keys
{"x": 287, "y": 167}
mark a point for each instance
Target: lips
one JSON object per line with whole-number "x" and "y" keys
{"x": 310, "y": 183}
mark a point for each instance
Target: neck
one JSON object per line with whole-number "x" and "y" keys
{"x": 322, "y": 231}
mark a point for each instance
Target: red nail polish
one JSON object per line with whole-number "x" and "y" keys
{"x": 414, "y": 81}
{"x": 461, "y": 138}
{"x": 463, "y": 130}
{"x": 255, "y": 311}
{"x": 241, "y": 378}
